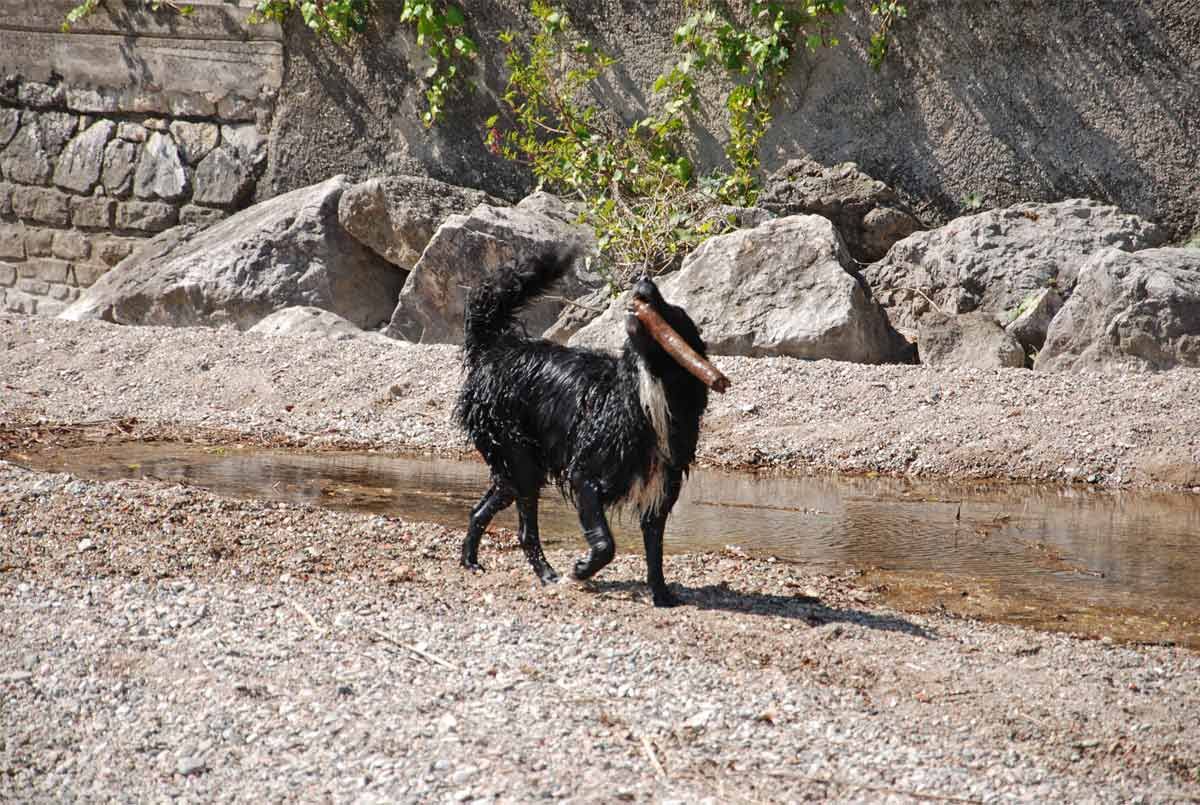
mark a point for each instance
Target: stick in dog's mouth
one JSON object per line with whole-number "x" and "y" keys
{"x": 674, "y": 345}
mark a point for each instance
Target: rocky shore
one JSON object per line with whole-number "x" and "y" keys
{"x": 1114, "y": 430}
{"x": 158, "y": 641}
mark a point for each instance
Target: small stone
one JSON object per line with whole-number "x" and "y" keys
{"x": 190, "y": 765}
{"x": 85, "y": 544}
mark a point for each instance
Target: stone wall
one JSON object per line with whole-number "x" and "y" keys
{"x": 127, "y": 125}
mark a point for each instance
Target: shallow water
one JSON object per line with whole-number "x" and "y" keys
{"x": 1123, "y": 564}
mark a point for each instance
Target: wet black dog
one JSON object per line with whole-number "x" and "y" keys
{"x": 607, "y": 430}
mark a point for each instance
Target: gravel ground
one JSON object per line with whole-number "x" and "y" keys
{"x": 1127, "y": 430}
{"x": 160, "y": 642}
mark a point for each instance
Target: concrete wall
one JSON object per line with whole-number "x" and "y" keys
{"x": 1020, "y": 100}
{"x": 127, "y": 125}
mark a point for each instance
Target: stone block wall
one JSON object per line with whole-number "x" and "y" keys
{"x": 125, "y": 126}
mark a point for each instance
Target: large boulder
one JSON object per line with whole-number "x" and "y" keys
{"x": 868, "y": 214}
{"x": 287, "y": 251}
{"x": 994, "y": 260}
{"x": 1129, "y": 312}
{"x": 397, "y": 216}
{"x": 467, "y": 248}
{"x": 1031, "y": 320}
{"x": 971, "y": 340}
{"x": 783, "y": 288}
{"x": 312, "y": 322}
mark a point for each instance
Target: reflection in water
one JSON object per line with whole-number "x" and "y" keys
{"x": 1043, "y": 547}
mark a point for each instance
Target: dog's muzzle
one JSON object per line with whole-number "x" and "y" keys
{"x": 674, "y": 345}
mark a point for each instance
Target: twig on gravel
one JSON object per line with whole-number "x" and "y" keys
{"x": 936, "y": 306}
{"x": 420, "y": 652}
{"x": 648, "y": 749}
{"x": 308, "y": 617}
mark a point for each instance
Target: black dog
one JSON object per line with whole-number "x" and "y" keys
{"x": 606, "y": 429}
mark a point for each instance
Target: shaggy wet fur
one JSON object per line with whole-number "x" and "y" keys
{"x": 608, "y": 430}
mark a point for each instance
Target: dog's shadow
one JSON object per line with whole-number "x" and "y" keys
{"x": 799, "y": 607}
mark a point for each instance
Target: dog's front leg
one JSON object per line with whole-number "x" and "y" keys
{"x": 601, "y": 547}
{"x": 531, "y": 542}
{"x": 654, "y": 525}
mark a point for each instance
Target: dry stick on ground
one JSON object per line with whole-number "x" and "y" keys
{"x": 308, "y": 617}
{"x": 422, "y": 653}
{"x": 648, "y": 749}
{"x": 936, "y": 306}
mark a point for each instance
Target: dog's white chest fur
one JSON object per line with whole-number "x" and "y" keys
{"x": 648, "y": 494}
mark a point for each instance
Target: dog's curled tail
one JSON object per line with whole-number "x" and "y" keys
{"x": 493, "y": 305}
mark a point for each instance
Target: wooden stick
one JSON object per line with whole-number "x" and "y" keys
{"x": 648, "y": 749}
{"x": 422, "y": 653}
{"x": 674, "y": 345}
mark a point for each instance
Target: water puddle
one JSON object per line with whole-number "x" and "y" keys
{"x": 1119, "y": 564}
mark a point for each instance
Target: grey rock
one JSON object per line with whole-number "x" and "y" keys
{"x": 397, "y": 216}
{"x": 160, "y": 173}
{"x": 120, "y": 158}
{"x": 26, "y": 159}
{"x": 40, "y": 95}
{"x": 284, "y": 252}
{"x": 868, "y": 214}
{"x": 783, "y": 288}
{"x": 246, "y": 140}
{"x": 189, "y": 765}
{"x": 57, "y": 128}
{"x": 575, "y": 317}
{"x": 201, "y": 216}
{"x": 81, "y": 161}
{"x": 43, "y": 205}
{"x": 133, "y": 132}
{"x": 145, "y": 216}
{"x": 195, "y": 140}
{"x": 466, "y": 248}
{"x": 311, "y": 321}
{"x": 968, "y": 340}
{"x": 10, "y": 121}
{"x": 12, "y": 242}
{"x": 93, "y": 100}
{"x": 1033, "y": 317}
{"x": 95, "y": 212}
{"x": 1129, "y": 312}
{"x": 994, "y": 260}
{"x": 222, "y": 179}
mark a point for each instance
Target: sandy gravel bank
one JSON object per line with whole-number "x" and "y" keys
{"x": 1137, "y": 430}
{"x": 161, "y": 642}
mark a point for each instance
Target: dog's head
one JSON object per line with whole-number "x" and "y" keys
{"x": 641, "y": 342}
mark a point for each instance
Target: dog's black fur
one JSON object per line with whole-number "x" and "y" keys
{"x": 540, "y": 412}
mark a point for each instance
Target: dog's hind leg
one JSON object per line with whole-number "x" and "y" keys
{"x": 496, "y": 499}
{"x": 531, "y": 542}
{"x": 654, "y": 524}
{"x": 601, "y": 547}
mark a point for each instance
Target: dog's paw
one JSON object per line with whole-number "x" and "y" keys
{"x": 474, "y": 567}
{"x": 666, "y": 598}
{"x": 548, "y": 576}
